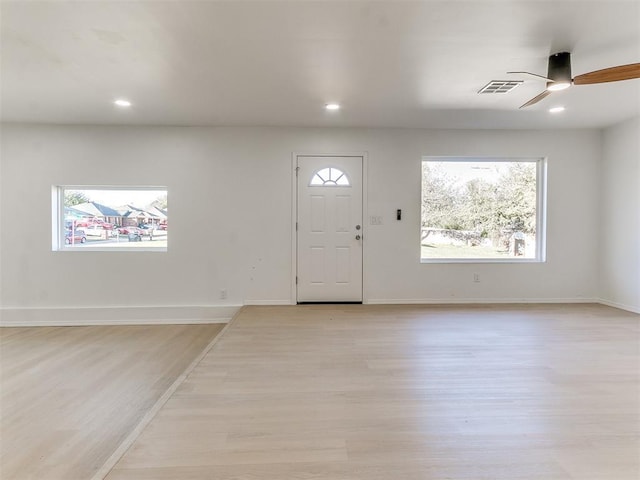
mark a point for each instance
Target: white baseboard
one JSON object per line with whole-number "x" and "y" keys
{"x": 80, "y": 316}
{"x": 268, "y": 302}
{"x": 467, "y": 301}
{"x": 622, "y": 306}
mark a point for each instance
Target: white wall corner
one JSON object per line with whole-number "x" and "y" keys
{"x": 621, "y": 306}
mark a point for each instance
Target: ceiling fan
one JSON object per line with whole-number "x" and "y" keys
{"x": 559, "y": 75}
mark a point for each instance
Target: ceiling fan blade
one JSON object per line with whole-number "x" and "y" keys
{"x": 536, "y": 99}
{"x": 534, "y": 74}
{"x": 613, "y": 74}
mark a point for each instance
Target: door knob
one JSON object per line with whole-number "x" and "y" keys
{"x": 358, "y": 237}
{"x": 357, "y": 227}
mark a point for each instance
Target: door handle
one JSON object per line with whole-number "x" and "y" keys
{"x": 358, "y": 237}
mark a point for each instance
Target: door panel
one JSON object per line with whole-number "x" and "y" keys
{"x": 342, "y": 264}
{"x": 343, "y": 211}
{"x": 317, "y": 214}
{"x": 318, "y": 261}
{"x": 329, "y": 234}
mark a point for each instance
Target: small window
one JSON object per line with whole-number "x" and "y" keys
{"x": 110, "y": 218}
{"x": 330, "y": 177}
{"x": 482, "y": 210}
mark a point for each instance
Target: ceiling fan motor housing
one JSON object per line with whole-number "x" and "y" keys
{"x": 559, "y": 68}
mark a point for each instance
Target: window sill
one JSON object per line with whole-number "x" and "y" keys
{"x": 480, "y": 260}
{"x": 117, "y": 249}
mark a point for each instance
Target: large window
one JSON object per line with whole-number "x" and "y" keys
{"x": 482, "y": 210}
{"x": 110, "y": 218}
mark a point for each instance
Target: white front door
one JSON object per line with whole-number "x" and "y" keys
{"x": 329, "y": 226}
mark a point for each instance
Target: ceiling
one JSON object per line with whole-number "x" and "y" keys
{"x": 389, "y": 63}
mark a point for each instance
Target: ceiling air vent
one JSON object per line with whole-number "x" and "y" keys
{"x": 500, "y": 86}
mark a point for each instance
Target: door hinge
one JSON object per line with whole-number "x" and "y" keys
{"x": 296, "y": 280}
{"x": 297, "y": 170}
{"x": 296, "y": 226}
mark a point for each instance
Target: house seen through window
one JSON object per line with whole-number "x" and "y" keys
{"x": 111, "y": 218}
{"x": 482, "y": 209}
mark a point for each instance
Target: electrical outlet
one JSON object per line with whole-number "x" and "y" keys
{"x": 223, "y": 294}
{"x": 476, "y": 278}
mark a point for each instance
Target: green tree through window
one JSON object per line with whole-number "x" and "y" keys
{"x": 479, "y": 208}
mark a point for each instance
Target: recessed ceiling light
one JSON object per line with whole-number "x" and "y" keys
{"x": 121, "y": 102}
{"x": 332, "y": 106}
{"x": 556, "y": 109}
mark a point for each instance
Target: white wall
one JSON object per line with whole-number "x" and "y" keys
{"x": 230, "y": 207}
{"x": 620, "y": 217}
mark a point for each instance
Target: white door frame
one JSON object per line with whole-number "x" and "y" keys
{"x": 294, "y": 214}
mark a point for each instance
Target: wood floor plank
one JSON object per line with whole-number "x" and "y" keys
{"x": 70, "y": 395}
{"x": 414, "y": 392}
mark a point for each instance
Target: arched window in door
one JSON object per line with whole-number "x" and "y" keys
{"x": 330, "y": 177}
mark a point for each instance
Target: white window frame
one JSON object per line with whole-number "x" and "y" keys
{"x": 329, "y": 182}
{"x": 541, "y": 210}
{"x": 57, "y": 219}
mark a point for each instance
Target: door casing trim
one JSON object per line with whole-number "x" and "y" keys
{"x": 294, "y": 215}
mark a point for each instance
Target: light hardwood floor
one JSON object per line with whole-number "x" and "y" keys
{"x": 405, "y": 392}
{"x": 70, "y": 395}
